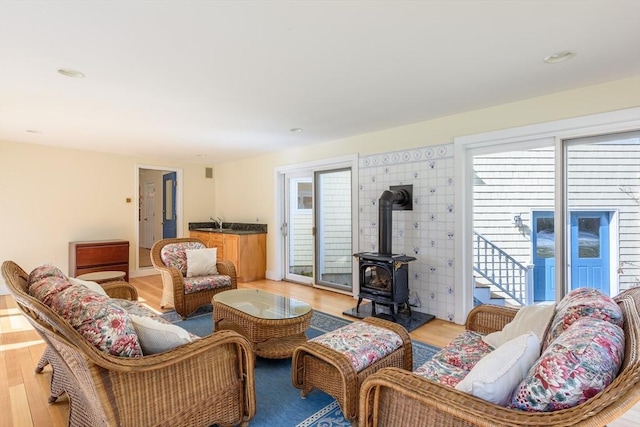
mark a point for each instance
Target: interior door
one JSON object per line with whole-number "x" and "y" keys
{"x": 169, "y": 223}
{"x": 149, "y": 214}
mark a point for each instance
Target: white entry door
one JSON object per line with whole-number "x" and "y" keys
{"x": 149, "y": 213}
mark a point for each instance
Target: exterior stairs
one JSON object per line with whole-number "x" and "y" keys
{"x": 484, "y": 294}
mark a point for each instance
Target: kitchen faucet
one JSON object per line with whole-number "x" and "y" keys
{"x": 218, "y": 220}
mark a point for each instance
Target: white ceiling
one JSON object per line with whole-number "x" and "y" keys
{"x": 211, "y": 81}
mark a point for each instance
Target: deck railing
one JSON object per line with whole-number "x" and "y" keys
{"x": 502, "y": 270}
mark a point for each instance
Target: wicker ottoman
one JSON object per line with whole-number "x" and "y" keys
{"x": 339, "y": 361}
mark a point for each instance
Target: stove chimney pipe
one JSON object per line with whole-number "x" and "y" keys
{"x": 385, "y": 216}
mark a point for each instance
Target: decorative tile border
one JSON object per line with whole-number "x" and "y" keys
{"x": 407, "y": 156}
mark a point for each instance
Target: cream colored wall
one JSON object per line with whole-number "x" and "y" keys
{"x": 245, "y": 190}
{"x": 50, "y": 196}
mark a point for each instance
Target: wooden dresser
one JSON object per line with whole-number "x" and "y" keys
{"x": 98, "y": 255}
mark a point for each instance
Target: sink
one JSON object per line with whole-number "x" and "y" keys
{"x": 215, "y": 229}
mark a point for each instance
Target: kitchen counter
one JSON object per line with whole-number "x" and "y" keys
{"x": 228, "y": 228}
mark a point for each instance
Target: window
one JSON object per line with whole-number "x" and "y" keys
{"x": 304, "y": 195}
{"x": 587, "y": 226}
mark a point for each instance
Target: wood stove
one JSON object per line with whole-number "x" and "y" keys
{"x": 384, "y": 277}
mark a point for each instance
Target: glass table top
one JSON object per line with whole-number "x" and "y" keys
{"x": 262, "y": 304}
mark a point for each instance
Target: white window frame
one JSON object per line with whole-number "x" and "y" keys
{"x": 516, "y": 138}
{"x": 348, "y": 161}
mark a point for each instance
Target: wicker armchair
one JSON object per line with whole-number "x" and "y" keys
{"x": 209, "y": 381}
{"x": 173, "y": 286}
{"x": 396, "y": 397}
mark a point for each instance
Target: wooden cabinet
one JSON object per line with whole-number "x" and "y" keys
{"x": 202, "y": 235}
{"x": 248, "y": 252}
{"x": 216, "y": 240}
{"x": 98, "y": 255}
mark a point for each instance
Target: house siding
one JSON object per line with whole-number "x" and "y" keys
{"x": 601, "y": 177}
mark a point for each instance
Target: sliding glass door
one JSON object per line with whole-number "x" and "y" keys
{"x": 334, "y": 256}
{"x": 515, "y": 214}
{"x": 298, "y": 227}
{"x": 317, "y": 228}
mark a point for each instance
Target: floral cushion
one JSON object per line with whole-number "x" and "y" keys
{"x": 45, "y": 282}
{"x": 100, "y": 321}
{"x": 200, "y": 283}
{"x": 450, "y": 365}
{"x": 173, "y": 255}
{"x": 580, "y": 363}
{"x": 441, "y": 372}
{"x": 582, "y": 302}
{"x": 135, "y": 308}
{"x": 362, "y": 343}
{"x": 464, "y": 351}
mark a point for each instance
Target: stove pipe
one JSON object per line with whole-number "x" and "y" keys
{"x": 385, "y": 216}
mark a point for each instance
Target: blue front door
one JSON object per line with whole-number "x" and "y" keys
{"x": 544, "y": 261}
{"x": 589, "y": 258}
{"x": 169, "y": 228}
{"x": 590, "y": 250}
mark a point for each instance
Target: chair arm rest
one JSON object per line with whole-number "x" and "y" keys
{"x": 227, "y": 268}
{"x": 122, "y": 290}
{"x": 487, "y": 318}
{"x": 206, "y": 364}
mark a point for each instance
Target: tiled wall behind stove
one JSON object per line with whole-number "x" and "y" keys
{"x": 427, "y": 231}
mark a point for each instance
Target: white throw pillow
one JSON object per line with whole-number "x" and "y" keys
{"x": 156, "y": 337}
{"x": 201, "y": 262}
{"x": 95, "y": 287}
{"x": 496, "y": 375}
{"x": 535, "y": 318}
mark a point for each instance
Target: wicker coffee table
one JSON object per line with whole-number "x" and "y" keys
{"x": 275, "y": 324}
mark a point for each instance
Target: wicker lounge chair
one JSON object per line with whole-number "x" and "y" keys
{"x": 209, "y": 381}
{"x": 396, "y": 397}
{"x": 173, "y": 280}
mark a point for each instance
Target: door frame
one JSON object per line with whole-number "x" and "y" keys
{"x": 136, "y": 270}
{"x": 319, "y": 254}
{"x": 295, "y": 178}
{"x": 350, "y": 161}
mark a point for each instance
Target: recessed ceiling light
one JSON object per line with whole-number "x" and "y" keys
{"x": 295, "y": 130}
{"x": 556, "y": 58}
{"x": 33, "y": 131}
{"x": 68, "y": 72}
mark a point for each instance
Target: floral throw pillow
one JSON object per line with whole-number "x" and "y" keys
{"x": 575, "y": 367}
{"x": 579, "y": 303}
{"x": 100, "y": 321}
{"x": 45, "y": 282}
{"x": 174, "y": 254}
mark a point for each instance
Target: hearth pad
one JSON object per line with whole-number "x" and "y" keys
{"x": 410, "y": 323}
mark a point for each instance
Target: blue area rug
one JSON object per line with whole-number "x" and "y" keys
{"x": 278, "y": 402}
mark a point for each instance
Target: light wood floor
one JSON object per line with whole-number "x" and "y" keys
{"x": 23, "y": 394}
